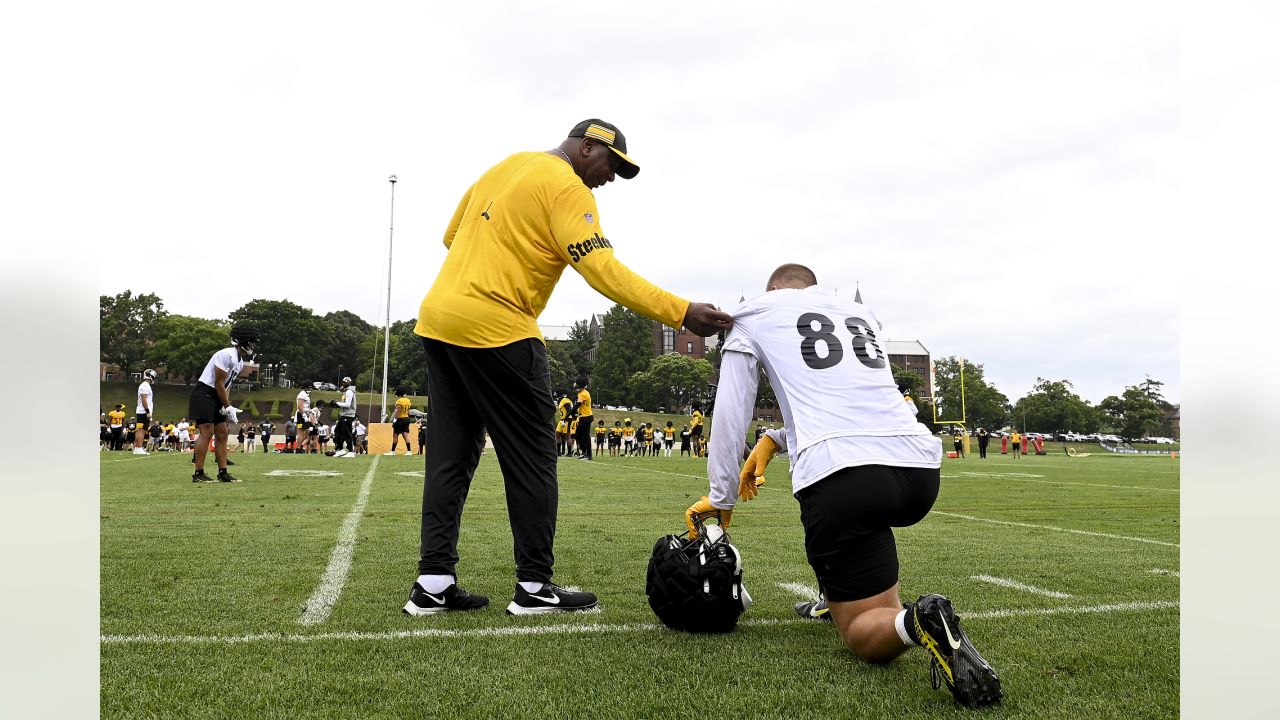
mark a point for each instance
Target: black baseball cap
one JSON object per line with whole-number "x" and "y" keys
{"x": 610, "y": 135}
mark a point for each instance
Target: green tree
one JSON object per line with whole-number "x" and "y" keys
{"x": 407, "y": 365}
{"x": 290, "y": 333}
{"x": 626, "y": 346}
{"x": 670, "y": 381}
{"x": 907, "y": 380}
{"x": 983, "y": 406}
{"x": 1140, "y": 411}
{"x": 127, "y": 326}
{"x": 184, "y": 344}
{"x": 1051, "y": 406}
{"x": 560, "y": 361}
{"x": 343, "y": 354}
{"x": 579, "y": 346}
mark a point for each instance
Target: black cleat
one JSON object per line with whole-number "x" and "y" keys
{"x": 199, "y": 477}
{"x": 550, "y": 599}
{"x": 968, "y": 676}
{"x": 422, "y": 602}
{"x": 814, "y": 609}
{"x": 224, "y": 476}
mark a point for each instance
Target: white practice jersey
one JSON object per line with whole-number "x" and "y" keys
{"x": 144, "y": 391}
{"x": 306, "y": 401}
{"x": 347, "y": 405}
{"x": 833, "y": 383}
{"x": 229, "y": 360}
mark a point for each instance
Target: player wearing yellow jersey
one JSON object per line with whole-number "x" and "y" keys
{"x": 628, "y": 438}
{"x": 582, "y": 408}
{"x": 615, "y": 438}
{"x": 695, "y": 429}
{"x": 400, "y": 423}
{"x": 602, "y": 432}
{"x": 514, "y": 232}
{"x": 116, "y": 418}
{"x": 668, "y": 438}
{"x": 563, "y": 409}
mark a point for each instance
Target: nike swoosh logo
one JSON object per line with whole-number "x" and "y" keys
{"x": 434, "y": 599}
{"x": 954, "y": 643}
{"x": 554, "y": 599}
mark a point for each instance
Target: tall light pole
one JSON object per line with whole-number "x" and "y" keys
{"x": 386, "y": 337}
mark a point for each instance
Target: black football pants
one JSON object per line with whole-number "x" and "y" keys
{"x": 506, "y": 390}
{"x": 344, "y": 435}
{"x": 583, "y": 436}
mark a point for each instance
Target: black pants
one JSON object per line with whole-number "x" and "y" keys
{"x": 583, "y": 436}
{"x": 343, "y": 434}
{"x": 117, "y": 438}
{"x": 982, "y": 447}
{"x": 507, "y": 391}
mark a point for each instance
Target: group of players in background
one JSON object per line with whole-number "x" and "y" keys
{"x": 305, "y": 432}
{"x": 624, "y": 439}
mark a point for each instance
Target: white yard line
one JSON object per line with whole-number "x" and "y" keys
{"x": 1158, "y": 571}
{"x": 1055, "y": 529}
{"x": 335, "y": 576}
{"x": 1005, "y": 582}
{"x": 800, "y": 590}
{"x": 575, "y": 629}
{"x": 1071, "y": 610}
{"x": 1002, "y": 476}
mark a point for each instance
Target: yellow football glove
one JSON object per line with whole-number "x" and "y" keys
{"x": 704, "y": 509}
{"x": 752, "y": 474}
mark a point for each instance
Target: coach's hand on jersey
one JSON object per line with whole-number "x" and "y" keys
{"x": 752, "y": 474}
{"x": 704, "y": 319}
{"x": 704, "y": 509}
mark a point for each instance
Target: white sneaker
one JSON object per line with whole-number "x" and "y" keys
{"x": 389, "y": 452}
{"x": 140, "y": 451}
{"x": 340, "y": 453}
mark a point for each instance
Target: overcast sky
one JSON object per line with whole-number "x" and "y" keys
{"x": 996, "y": 177}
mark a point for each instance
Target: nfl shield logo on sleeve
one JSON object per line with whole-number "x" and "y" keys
{"x": 588, "y": 217}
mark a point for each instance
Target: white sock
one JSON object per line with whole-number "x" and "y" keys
{"x": 900, "y": 624}
{"x": 531, "y": 587}
{"x": 436, "y": 584}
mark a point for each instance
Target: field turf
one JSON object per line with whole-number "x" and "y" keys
{"x": 1064, "y": 571}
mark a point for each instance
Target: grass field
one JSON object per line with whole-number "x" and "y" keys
{"x": 1064, "y": 570}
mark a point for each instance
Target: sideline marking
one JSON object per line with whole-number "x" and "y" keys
{"x": 1005, "y": 582}
{"x": 1028, "y": 478}
{"x": 335, "y": 576}
{"x": 302, "y": 473}
{"x": 585, "y": 629}
{"x": 799, "y": 590}
{"x": 1158, "y": 571}
{"x": 1056, "y": 529}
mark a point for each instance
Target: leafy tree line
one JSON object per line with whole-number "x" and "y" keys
{"x": 1051, "y": 406}
{"x": 136, "y": 332}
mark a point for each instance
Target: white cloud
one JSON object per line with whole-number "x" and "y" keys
{"x": 960, "y": 162}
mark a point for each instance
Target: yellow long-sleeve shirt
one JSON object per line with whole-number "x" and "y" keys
{"x": 509, "y": 241}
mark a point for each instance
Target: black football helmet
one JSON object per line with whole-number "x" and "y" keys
{"x": 696, "y": 585}
{"x": 245, "y": 337}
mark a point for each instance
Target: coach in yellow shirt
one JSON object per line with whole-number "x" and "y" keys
{"x": 511, "y": 237}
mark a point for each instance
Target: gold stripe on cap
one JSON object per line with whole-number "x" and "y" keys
{"x": 600, "y": 133}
